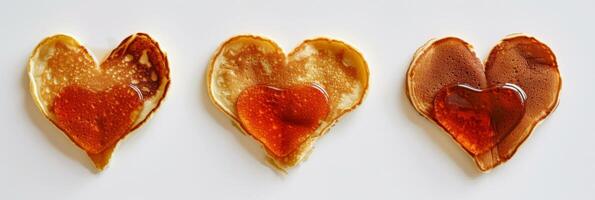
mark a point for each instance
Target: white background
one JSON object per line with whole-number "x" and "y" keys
{"x": 382, "y": 150}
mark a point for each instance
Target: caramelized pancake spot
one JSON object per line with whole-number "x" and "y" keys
{"x": 140, "y": 64}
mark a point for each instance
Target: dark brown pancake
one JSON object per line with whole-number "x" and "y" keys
{"x": 530, "y": 64}
{"x": 517, "y": 59}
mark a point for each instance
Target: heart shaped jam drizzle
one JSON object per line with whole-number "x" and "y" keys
{"x": 282, "y": 119}
{"x": 96, "y": 120}
{"x": 479, "y": 119}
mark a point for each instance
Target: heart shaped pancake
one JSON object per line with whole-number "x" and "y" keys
{"x": 97, "y": 106}
{"x": 301, "y": 95}
{"x": 518, "y": 59}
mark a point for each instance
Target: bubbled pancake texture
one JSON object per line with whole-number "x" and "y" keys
{"x": 244, "y": 62}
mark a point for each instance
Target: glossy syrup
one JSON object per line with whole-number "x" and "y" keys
{"x": 282, "y": 119}
{"x": 479, "y": 119}
{"x": 96, "y": 120}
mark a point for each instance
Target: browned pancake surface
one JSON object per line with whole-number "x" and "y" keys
{"x": 244, "y": 61}
{"x": 59, "y": 64}
{"x": 445, "y": 62}
{"x": 517, "y": 59}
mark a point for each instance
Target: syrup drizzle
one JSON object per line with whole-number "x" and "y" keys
{"x": 479, "y": 119}
{"x": 96, "y": 120}
{"x": 282, "y": 119}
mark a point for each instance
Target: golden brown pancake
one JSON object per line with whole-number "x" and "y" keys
{"x": 518, "y": 59}
{"x": 97, "y": 106}
{"x": 243, "y": 62}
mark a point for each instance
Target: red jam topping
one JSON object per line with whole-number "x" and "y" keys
{"x": 282, "y": 119}
{"x": 479, "y": 119}
{"x": 96, "y": 120}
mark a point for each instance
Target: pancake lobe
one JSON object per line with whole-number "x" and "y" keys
{"x": 530, "y": 64}
{"x": 441, "y": 63}
{"x": 518, "y": 59}
{"x": 244, "y": 61}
